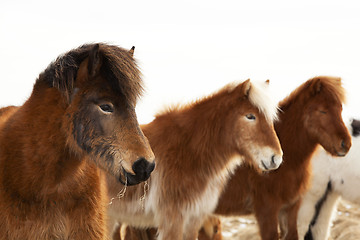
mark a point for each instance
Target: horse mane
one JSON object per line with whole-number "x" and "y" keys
{"x": 121, "y": 69}
{"x": 331, "y": 86}
{"x": 260, "y": 97}
{"x": 258, "y": 94}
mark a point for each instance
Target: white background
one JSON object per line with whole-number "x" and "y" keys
{"x": 188, "y": 49}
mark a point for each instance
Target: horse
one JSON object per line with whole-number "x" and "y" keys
{"x": 78, "y": 123}
{"x": 310, "y": 116}
{"x": 332, "y": 179}
{"x": 197, "y": 146}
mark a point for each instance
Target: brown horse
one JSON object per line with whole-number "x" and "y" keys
{"x": 309, "y": 116}
{"x": 197, "y": 147}
{"x": 80, "y": 116}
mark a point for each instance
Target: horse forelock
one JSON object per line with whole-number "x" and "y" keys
{"x": 331, "y": 88}
{"x": 123, "y": 70}
{"x": 260, "y": 97}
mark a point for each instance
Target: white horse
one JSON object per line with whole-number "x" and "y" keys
{"x": 333, "y": 178}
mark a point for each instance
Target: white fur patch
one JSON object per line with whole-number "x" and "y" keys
{"x": 207, "y": 201}
{"x": 344, "y": 174}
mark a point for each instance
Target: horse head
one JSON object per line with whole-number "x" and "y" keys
{"x": 100, "y": 120}
{"x": 254, "y": 132}
{"x": 322, "y": 115}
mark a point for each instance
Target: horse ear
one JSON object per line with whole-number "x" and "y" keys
{"x": 317, "y": 86}
{"x": 267, "y": 82}
{"x": 246, "y": 88}
{"x": 131, "y": 51}
{"x": 94, "y": 62}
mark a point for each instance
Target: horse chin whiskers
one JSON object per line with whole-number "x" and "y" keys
{"x": 121, "y": 193}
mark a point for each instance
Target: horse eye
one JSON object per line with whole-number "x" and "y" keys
{"x": 250, "y": 116}
{"x": 106, "y": 108}
{"x": 323, "y": 112}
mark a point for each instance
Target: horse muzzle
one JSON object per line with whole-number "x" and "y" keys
{"x": 142, "y": 169}
{"x": 272, "y": 164}
{"x": 343, "y": 149}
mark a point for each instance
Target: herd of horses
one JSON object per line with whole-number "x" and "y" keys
{"x": 75, "y": 163}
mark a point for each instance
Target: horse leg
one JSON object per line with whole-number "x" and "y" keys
{"x": 116, "y": 233}
{"x": 306, "y": 212}
{"x": 113, "y": 227}
{"x": 266, "y": 217}
{"x": 171, "y": 225}
{"x": 288, "y": 221}
{"x": 192, "y": 228}
{"x": 211, "y": 229}
{"x": 320, "y": 229}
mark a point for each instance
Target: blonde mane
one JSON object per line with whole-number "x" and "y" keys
{"x": 260, "y": 96}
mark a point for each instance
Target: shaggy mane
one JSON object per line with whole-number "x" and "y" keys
{"x": 259, "y": 96}
{"x": 123, "y": 70}
{"x": 331, "y": 86}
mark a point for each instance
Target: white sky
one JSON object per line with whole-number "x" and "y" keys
{"x": 187, "y": 49}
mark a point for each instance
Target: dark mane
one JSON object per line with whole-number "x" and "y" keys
{"x": 329, "y": 85}
{"x": 121, "y": 69}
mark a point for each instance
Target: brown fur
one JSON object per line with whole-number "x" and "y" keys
{"x": 52, "y": 146}
{"x": 311, "y": 115}
{"x": 196, "y": 147}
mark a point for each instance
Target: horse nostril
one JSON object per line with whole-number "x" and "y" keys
{"x": 273, "y": 159}
{"x": 143, "y": 168}
{"x": 151, "y": 167}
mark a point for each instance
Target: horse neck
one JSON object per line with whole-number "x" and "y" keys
{"x": 35, "y": 129}
{"x": 295, "y": 142}
{"x": 207, "y": 132}
{"x": 200, "y": 134}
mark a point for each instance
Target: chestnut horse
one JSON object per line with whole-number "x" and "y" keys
{"x": 197, "y": 147}
{"x": 332, "y": 179}
{"x": 80, "y": 116}
{"x": 309, "y": 116}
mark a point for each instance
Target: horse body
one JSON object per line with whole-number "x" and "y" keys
{"x": 196, "y": 147}
{"x": 311, "y": 115}
{"x": 332, "y": 178}
{"x": 53, "y": 147}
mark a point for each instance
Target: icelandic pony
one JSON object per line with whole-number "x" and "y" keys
{"x": 80, "y": 116}
{"x": 309, "y": 116}
{"x": 196, "y": 147}
{"x": 332, "y": 179}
